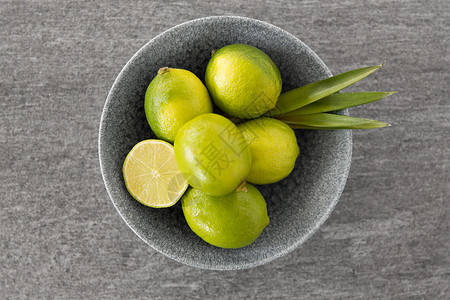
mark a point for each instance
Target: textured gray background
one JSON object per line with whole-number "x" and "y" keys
{"x": 60, "y": 236}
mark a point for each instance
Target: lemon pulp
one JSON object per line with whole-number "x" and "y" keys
{"x": 151, "y": 174}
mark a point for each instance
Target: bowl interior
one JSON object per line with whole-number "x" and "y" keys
{"x": 297, "y": 205}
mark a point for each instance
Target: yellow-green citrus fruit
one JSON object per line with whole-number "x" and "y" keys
{"x": 231, "y": 221}
{"x": 274, "y": 149}
{"x": 151, "y": 174}
{"x": 174, "y": 97}
{"x": 212, "y": 154}
{"x": 243, "y": 81}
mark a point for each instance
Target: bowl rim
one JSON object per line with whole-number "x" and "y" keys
{"x": 323, "y": 216}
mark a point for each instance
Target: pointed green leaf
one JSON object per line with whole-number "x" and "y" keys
{"x": 330, "y": 121}
{"x": 296, "y": 98}
{"x": 361, "y": 126}
{"x": 338, "y": 101}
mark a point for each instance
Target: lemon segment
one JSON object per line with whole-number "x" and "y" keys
{"x": 151, "y": 174}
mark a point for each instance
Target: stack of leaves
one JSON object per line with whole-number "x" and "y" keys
{"x": 311, "y": 106}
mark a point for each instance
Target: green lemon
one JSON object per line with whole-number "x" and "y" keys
{"x": 212, "y": 154}
{"x": 231, "y": 221}
{"x": 174, "y": 97}
{"x": 243, "y": 81}
{"x": 274, "y": 149}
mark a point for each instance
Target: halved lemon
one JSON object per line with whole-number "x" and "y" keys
{"x": 151, "y": 174}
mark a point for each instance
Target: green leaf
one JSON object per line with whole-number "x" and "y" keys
{"x": 338, "y": 101}
{"x": 299, "y": 97}
{"x": 361, "y": 126}
{"x": 330, "y": 121}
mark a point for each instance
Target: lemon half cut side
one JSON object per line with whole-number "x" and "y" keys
{"x": 152, "y": 176}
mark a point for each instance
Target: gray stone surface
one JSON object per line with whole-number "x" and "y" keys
{"x": 60, "y": 237}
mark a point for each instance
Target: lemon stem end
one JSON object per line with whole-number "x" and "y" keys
{"x": 241, "y": 187}
{"x": 163, "y": 70}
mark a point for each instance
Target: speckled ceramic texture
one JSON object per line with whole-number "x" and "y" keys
{"x": 297, "y": 205}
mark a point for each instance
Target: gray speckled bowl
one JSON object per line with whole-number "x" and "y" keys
{"x": 297, "y": 205}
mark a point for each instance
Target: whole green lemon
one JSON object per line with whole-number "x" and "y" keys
{"x": 174, "y": 97}
{"x": 274, "y": 149}
{"x": 212, "y": 154}
{"x": 243, "y": 81}
{"x": 231, "y": 221}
